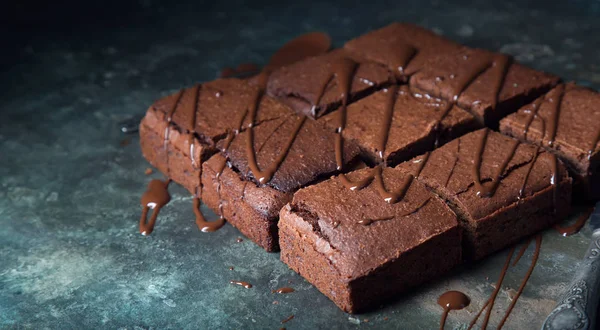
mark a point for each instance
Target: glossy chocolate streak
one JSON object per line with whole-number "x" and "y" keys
{"x": 536, "y": 254}
{"x": 490, "y": 190}
{"x": 575, "y": 227}
{"x": 489, "y": 304}
{"x": 404, "y": 53}
{"x": 241, "y": 283}
{"x": 284, "y": 290}
{"x": 203, "y": 225}
{"x": 452, "y": 300}
{"x": 155, "y": 197}
{"x": 192, "y": 124}
{"x": 556, "y": 102}
{"x": 287, "y": 319}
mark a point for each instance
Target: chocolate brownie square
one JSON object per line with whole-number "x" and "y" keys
{"x": 402, "y": 47}
{"x": 251, "y": 201}
{"x": 489, "y": 85}
{"x": 566, "y": 121}
{"x": 502, "y": 190}
{"x": 181, "y": 130}
{"x": 407, "y": 122}
{"x": 310, "y": 87}
{"x": 359, "y": 250}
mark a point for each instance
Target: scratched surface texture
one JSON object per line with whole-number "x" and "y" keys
{"x": 70, "y": 181}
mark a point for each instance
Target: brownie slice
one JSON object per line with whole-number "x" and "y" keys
{"x": 199, "y": 117}
{"x": 417, "y": 124}
{"x": 533, "y": 188}
{"x": 566, "y": 121}
{"x": 311, "y": 88}
{"x": 402, "y": 47}
{"x": 252, "y": 205}
{"x": 326, "y": 237}
{"x": 480, "y": 83}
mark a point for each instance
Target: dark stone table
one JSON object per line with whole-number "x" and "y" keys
{"x": 70, "y": 181}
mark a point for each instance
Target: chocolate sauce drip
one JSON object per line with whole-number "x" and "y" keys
{"x": 287, "y": 319}
{"x": 241, "y": 283}
{"x": 284, "y": 290}
{"x": 556, "y": 102}
{"x": 239, "y": 240}
{"x": 207, "y": 226}
{"x": 529, "y": 168}
{"x": 452, "y": 300}
{"x": 155, "y": 197}
{"x": 575, "y": 227}
{"x": 192, "y": 124}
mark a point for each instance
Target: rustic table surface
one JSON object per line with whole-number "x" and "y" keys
{"x": 70, "y": 181}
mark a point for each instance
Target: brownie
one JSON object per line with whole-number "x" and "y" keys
{"x": 566, "y": 121}
{"x": 202, "y": 114}
{"x": 415, "y": 125}
{"x": 402, "y": 47}
{"x": 326, "y": 237}
{"x": 481, "y": 83}
{"x": 310, "y": 86}
{"x": 253, "y": 206}
{"x": 495, "y": 219}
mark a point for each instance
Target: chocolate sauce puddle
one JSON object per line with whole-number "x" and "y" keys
{"x": 283, "y": 290}
{"x": 155, "y": 197}
{"x": 450, "y": 301}
{"x": 575, "y": 227}
{"x": 242, "y": 284}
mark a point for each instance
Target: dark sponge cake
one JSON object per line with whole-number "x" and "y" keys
{"x": 442, "y": 76}
{"x": 253, "y": 207}
{"x": 565, "y": 121}
{"x": 357, "y": 265}
{"x": 413, "y": 128}
{"x": 509, "y": 214}
{"x": 300, "y": 85}
{"x": 199, "y": 116}
{"x": 402, "y": 47}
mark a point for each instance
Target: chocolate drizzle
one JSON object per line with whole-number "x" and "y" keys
{"x": 307, "y": 45}
{"x": 489, "y": 304}
{"x": 452, "y": 300}
{"x": 155, "y": 197}
{"x": 575, "y": 227}
{"x": 287, "y": 319}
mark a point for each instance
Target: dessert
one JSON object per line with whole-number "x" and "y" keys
{"x": 501, "y": 190}
{"x": 396, "y": 124}
{"x": 566, "y": 122}
{"x": 360, "y": 250}
{"x": 489, "y": 85}
{"x": 180, "y": 131}
{"x": 309, "y": 86}
{"x": 258, "y": 181}
{"x": 402, "y": 47}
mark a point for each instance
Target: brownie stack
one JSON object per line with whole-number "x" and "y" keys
{"x": 376, "y": 177}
